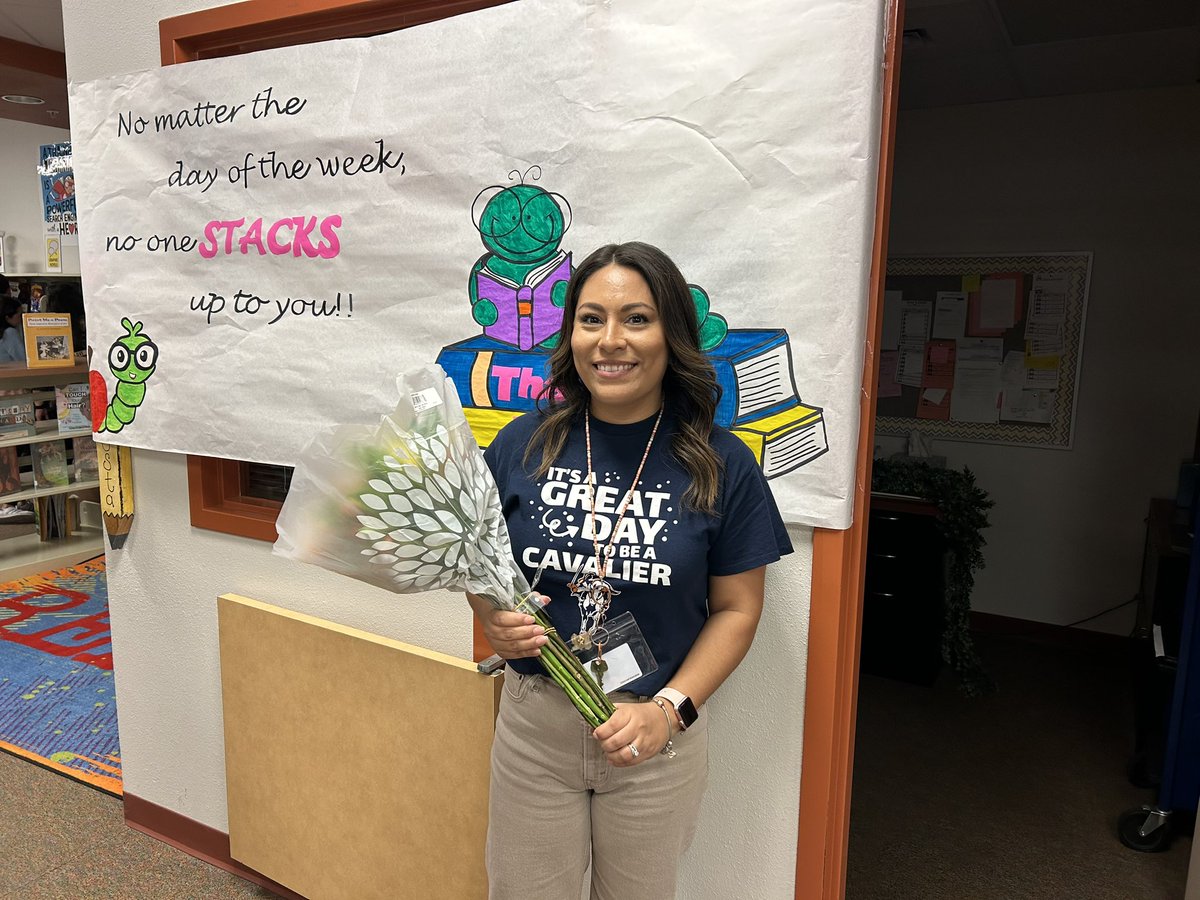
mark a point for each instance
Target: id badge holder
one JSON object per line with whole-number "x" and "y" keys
{"x": 618, "y": 654}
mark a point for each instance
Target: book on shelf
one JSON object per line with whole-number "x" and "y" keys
{"x": 37, "y": 296}
{"x": 73, "y": 406}
{"x": 86, "y": 462}
{"x": 10, "y": 471}
{"x": 50, "y": 464}
{"x": 52, "y": 517}
{"x": 15, "y": 431}
{"x": 17, "y": 409}
{"x": 48, "y": 339}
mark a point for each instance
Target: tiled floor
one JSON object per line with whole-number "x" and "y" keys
{"x": 60, "y": 840}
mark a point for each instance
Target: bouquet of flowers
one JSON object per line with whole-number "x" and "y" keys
{"x": 410, "y": 505}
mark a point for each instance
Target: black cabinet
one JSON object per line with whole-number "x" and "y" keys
{"x": 904, "y": 591}
{"x": 1157, "y": 636}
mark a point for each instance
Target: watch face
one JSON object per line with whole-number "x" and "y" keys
{"x": 687, "y": 712}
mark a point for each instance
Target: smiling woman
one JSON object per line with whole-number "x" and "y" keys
{"x": 651, "y": 529}
{"x": 618, "y": 345}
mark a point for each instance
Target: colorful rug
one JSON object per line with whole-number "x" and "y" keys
{"x": 58, "y": 707}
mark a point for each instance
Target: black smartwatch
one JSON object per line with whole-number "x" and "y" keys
{"x": 683, "y": 704}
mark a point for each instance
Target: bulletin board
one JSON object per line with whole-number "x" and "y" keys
{"x": 983, "y": 348}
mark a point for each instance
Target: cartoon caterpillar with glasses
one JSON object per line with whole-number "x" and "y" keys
{"x": 131, "y": 359}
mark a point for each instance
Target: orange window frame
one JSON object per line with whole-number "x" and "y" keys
{"x": 831, "y": 688}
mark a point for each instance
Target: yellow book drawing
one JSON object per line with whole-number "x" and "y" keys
{"x": 786, "y": 440}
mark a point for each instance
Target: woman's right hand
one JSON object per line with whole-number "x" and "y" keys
{"x": 513, "y": 635}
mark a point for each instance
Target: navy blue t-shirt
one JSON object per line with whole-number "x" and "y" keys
{"x": 663, "y": 554}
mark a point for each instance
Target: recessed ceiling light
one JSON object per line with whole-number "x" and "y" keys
{"x": 23, "y": 99}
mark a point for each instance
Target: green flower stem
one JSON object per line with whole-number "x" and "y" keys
{"x": 572, "y": 683}
{"x": 563, "y": 680}
{"x": 557, "y": 671}
{"x": 594, "y": 692}
{"x": 568, "y": 673}
{"x": 582, "y": 685}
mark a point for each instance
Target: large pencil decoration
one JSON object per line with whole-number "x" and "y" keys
{"x": 116, "y": 492}
{"x": 132, "y": 359}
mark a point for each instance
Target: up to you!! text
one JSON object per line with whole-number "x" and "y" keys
{"x": 246, "y": 303}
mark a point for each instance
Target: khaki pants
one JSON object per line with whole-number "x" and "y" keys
{"x": 557, "y": 804}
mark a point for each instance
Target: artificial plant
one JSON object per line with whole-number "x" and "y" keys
{"x": 962, "y": 516}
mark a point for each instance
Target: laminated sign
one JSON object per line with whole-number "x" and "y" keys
{"x": 268, "y": 240}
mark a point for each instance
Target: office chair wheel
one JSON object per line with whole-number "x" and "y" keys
{"x": 1147, "y": 830}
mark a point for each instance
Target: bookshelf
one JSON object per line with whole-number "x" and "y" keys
{"x": 34, "y": 493}
{"x": 47, "y": 431}
{"x": 23, "y": 554}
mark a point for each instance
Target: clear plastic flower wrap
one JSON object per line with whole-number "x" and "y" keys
{"x": 409, "y": 505}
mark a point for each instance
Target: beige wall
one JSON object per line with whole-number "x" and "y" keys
{"x": 21, "y": 197}
{"x": 1114, "y": 174}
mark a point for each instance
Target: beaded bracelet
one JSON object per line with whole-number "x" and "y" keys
{"x": 669, "y": 749}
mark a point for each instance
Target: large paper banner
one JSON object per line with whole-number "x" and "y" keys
{"x": 268, "y": 240}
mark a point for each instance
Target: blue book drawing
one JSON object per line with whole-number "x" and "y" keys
{"x": 754, "y": 367}
{"x": 490, "y": 374}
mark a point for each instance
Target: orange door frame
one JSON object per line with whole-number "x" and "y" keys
{"x": 831, "y": 686}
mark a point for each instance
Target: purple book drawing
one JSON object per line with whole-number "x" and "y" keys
{"x": 527, "y": 314}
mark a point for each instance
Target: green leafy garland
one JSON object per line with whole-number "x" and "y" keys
{"x": 963, "y": 516}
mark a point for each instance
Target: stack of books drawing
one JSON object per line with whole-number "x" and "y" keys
{"x": 497, "y": 382}
{"x": 760, "y": 403}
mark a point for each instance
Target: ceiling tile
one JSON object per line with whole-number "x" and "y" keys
{"x": 1041, "y": 21}
{"x": 1119, "y": 62}
{"x": 962, "y": 27}
{"x": 37, "y": 22}
{"x": 949, "y": 82}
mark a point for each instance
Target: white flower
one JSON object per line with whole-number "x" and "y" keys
{"x": 439, "y": 523}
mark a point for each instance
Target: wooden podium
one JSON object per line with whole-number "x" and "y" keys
{"x": 356, "y": 766}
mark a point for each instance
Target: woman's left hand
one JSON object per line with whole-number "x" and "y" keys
{"x": 641, "y": 724}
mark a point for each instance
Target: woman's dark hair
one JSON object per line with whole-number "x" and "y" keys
{"x": 8, "y": 306}
{"x": 689, "y": 385}
{"x": 68, "y": 298}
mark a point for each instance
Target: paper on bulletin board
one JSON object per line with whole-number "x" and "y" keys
{"x": 977, "y": 380}
{"x": 1027, "y": 406}
{"x": 293, "y": 228}
{"x": 888, "y": 385}
{"x": 995, "y": 305}
{"x": 939, "y": 365}
{"x": 934, "y": 404}
{"x": 950, "y": 315}
{"x": 892, "y": 320}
